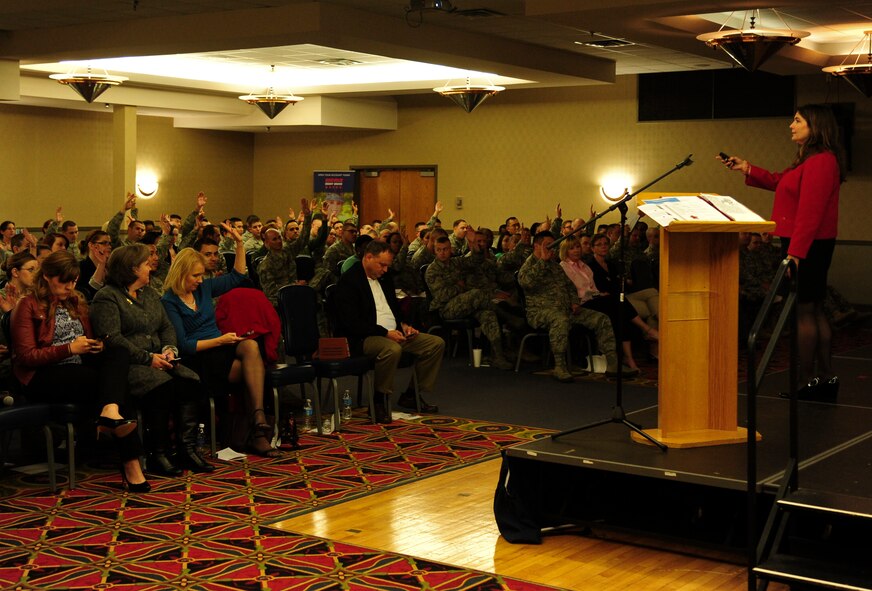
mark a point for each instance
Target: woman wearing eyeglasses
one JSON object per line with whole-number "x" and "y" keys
{"x": 96, "y": 249}
{"x": 21, "y": 270}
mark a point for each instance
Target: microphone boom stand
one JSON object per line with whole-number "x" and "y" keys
{"x": 618, "y": 414}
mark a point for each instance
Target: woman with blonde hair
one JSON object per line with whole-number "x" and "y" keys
{"x": 57, "y": 359}
{"x": 219, "y": 359}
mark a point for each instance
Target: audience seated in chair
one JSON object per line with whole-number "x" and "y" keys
{"x": 219, "y": 359}
{"x": 57, "y": 358}
{"x": 368, "y": 315}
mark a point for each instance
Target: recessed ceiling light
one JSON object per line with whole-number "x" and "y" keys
{"x": 338, "y": 61}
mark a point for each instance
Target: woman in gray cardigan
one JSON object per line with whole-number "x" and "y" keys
{"x": 129, "y": 314}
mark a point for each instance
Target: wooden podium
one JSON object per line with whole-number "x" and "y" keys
{"x": 699, "y": 311}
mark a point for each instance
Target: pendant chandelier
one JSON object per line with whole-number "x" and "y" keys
{"x": 858, "y": 75}
{"x": 469, "y": 96}
{"x": 89, "y": 86}
{"x": 271, "y": 103}
{"x": 752, "y": 47}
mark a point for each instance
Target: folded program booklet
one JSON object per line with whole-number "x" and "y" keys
{"x": 704, "y": 207}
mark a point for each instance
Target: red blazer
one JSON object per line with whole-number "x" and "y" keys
{"x": 247, "y": 309}
{"x": 806, "y": 204}
{"x": 32, "y": 336}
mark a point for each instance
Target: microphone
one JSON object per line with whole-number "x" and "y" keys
{"x": 686, "y": 162}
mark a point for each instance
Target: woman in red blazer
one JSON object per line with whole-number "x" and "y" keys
{"x": 57, "y": 359}
{"x": 806, "y": 215}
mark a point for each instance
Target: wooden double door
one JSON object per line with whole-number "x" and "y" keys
{"x": 409, "y": 192}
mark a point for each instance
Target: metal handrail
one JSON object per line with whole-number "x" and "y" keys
{"x": 786, "y": 274}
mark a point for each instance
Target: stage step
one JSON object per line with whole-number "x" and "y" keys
{"x": 796, "y": 569}
{"x": 814, "y": 500}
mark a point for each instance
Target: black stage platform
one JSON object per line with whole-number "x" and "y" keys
{"x": 601, "y": 476}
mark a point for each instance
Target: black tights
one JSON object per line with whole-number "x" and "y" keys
{"x": 814, "y": 338}
{"x": 99, "y": 380}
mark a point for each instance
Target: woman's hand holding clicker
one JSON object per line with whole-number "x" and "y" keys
{"x": 158, "y": 361}
{"x": 229, "y": 338}
{"x": 82, "y": 345}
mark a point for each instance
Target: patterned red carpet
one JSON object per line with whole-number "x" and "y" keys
{"x": 207, "y": 532}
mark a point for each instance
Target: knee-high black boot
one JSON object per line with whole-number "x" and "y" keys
{"x": 188, "y": 422}
{"x": 158, "y": 444}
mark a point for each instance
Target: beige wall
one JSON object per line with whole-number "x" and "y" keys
{"x": 520, "y": 153}
{"x": 51, "y": 157}
{"x": 523, "y": 151}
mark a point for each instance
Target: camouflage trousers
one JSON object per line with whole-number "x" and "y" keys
{"x": 478, "y": 304}
{"x": 559, "y": 323}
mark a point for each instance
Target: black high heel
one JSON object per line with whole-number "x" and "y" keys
{"x": 813, "y": 390}
{"x": 830, "y": 388}
{"x": 115, "y": 427}
{"x": 139, "y": 487}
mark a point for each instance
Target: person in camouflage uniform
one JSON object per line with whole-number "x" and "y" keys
{"x": 511, "y": 261}
{"x": 135, "y": 229}
{"x": 447, "y": 280}
{"x": 326, "y": 274}
{"x": 552, "y": 302}
{"x": 279, "y": 267}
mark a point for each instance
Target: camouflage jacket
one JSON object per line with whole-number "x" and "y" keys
{"x": 546, "y": 285}
{"x": 447, "y": 280}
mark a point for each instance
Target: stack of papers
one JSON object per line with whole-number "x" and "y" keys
{"x": 704, "y": 207}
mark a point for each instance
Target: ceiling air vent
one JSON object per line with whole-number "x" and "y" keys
{"x": 478, "y": 13}
{"x": 606, "y": 43}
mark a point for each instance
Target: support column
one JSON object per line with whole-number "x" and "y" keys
{"x": 123, "y": 151}
{"x": 10, "y": 83}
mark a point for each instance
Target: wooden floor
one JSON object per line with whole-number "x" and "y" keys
{"x": 449, "y": 518}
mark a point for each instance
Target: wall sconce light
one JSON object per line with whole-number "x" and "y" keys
{"x": 614, "y": 188}
{"x": 146, "y": 185}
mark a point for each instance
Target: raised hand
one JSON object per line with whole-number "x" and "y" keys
{"x": 353, "y": 208}
{"x": 201, "y": 200}
{"x": 232, "y": 231}
{"x": 438, "y": 208}
{"x": 130, "y": 202}
{"x": 390, "y": 215}
{"x": 559, "y": 212}
{"x": 164, "y": 222}
{"x": 304, "y": 206}
{"x": 59, "y": 215}
{"x": 28, "y": 237}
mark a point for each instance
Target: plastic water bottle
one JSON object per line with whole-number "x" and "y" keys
{"x": 308, "y": 416}
{"x": 346, "y": 406}
{"x": 201, "y": 439}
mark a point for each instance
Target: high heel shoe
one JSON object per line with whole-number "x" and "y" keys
{"x": 830, "y": 388}
{"x": 139, "y": 487}
{"x": 263, "y": 426}
{"x": 115, "y": 427}
{"x": 813, "y": 390}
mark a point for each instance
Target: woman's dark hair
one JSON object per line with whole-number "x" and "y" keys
{"x": 63, "y": 265}
{"x": 823, "y": 136}
{"x": 503, "y": 234}
{"x": 5, "y": 225}
{"x": 91, "y": 238}
{"x": 50, "y": 238}
{"x": 122, "y": 262}
{"x": 16, "y": 261}
{"x": 600, "y": 238}
{"x": 211, "y": 231}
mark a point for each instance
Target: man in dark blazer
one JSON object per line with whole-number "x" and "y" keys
{"x": 368, "y": 315}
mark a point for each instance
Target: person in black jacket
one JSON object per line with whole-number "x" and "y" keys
{"x": 368, "y": 315}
